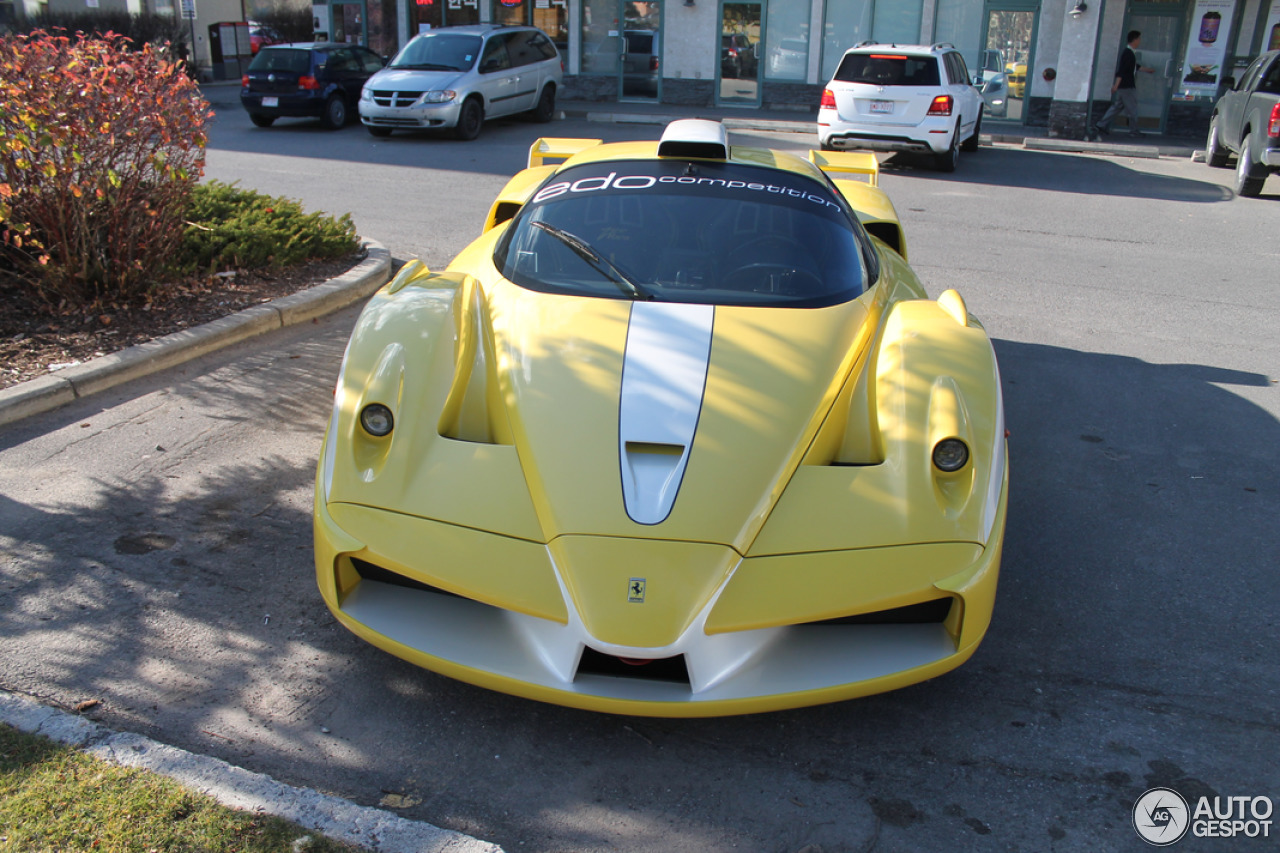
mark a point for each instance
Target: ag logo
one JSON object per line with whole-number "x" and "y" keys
{"x": 1161, "y": 817}
{"x": 635, "y": 590}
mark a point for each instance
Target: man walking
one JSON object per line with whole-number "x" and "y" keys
{"x": 1124, "y": 90}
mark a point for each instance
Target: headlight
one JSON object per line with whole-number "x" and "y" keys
{"x": 377, "y": 420}
{"x": 366, "y": 95}
{"x": 949, "y": 455}
{"x": 441, "y": 96}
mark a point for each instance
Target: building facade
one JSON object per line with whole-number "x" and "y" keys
{"x": 1058, "y": 56}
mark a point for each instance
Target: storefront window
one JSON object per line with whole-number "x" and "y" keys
{"x": 897, "y": 22}
{"x": 458, "y": 13}
{"x": 787, "y": 40}
{"x": 847, "y": 22}
{"x": 960, "y": 23}
{"x": 600, "y": 36}
{"x": 511, "y": 11}
{"x": 552, "y": 17}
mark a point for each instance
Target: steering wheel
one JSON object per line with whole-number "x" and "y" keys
{"x": 771, "y": 278}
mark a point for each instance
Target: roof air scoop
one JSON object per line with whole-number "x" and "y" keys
{"x": 694, "y": 137}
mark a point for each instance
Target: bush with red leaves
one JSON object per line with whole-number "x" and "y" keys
{"x": 100, "y": 146}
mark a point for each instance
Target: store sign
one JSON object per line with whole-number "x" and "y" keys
{"x": 1206, "y": 48}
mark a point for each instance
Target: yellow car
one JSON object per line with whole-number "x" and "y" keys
{"x": 679, "y": 435}
{"x": 1017, "y": 77}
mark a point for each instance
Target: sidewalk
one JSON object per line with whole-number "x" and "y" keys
{"x": 804, "y": 121}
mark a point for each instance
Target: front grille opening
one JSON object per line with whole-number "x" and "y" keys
{"x": 932, "y": 612}
{"x": 369, "y": 572}
{"x": 672, "y": 670}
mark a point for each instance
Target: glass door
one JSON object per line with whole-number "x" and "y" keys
{"x": 1007, "y": 62}
{"x": 640, "y": 51}
{"x": 1161, "y": 30}
{"x": 740, "y": 29}
{"x": 623, "y": 39}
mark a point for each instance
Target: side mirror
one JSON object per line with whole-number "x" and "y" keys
{"x": 385, "y": 60}
{"x": 490, "y": 66}
{"x": 1229, "y": 81}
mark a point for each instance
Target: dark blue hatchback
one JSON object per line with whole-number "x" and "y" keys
{"x": 320, "y": 79}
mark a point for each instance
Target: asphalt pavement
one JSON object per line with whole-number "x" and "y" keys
{"x": 155, "y": 555}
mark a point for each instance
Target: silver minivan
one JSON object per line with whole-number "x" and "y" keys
{"x": 459, "y": 76}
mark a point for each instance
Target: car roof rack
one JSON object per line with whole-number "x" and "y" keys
{"x": 943, "y": 44}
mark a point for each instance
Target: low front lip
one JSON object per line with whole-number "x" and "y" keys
{"x": 784, "y": 667}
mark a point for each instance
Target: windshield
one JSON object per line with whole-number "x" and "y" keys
{"x": 439, "y": 52}
{"x": 679, "y": 231}
{"x": 888, "y": 70}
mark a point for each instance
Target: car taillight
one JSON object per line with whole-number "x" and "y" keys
{"x": 941, "y": 106}
{"x": 1273, "y": 125}
{"x": 828, "y": 99}
{"x": 653, "y": 63}
{"x": 244, "y": 81}
{"x": 733, "y": 51}
{"x": 306, "y": 81}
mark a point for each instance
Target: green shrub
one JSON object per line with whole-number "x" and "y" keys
{"x": 100, "y": 147}
{"x": 230, "y": 227}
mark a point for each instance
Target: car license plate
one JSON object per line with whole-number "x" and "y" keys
{"x": 271, "y": 102}
{"x": 882, "y": 106}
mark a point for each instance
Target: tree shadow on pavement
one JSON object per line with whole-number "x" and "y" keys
{"x": 1136, "y": 593}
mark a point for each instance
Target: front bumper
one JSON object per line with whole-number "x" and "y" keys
{"x": 418, "y": 117}
{"x": 722, "y": 670}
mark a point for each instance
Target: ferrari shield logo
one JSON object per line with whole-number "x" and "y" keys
{"x": 635, "y": 590}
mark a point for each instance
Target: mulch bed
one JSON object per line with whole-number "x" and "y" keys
{"x": 35, "y": 341}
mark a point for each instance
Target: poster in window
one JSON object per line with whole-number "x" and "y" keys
{"x": 1206, "y": 48}
{"x": 1271, "y": 32}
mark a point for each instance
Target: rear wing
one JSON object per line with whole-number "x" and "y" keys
{"x": 857, "y": 176}
{"x": 844, "y": 163}
{"x": 543, "y": 157}
{"x": 557, "y": 148}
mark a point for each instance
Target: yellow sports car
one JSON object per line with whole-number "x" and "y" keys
{"x": 680, "y": 434}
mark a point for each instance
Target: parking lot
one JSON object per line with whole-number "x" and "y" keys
{"x": 155, "y": 541}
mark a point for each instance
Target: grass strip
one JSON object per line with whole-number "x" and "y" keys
{"x": 56, "y": 798}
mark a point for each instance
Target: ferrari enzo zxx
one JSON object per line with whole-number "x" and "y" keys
{"x": 680, "y": 434}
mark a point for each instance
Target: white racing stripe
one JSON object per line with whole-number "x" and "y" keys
{"x": 664, "y": 374}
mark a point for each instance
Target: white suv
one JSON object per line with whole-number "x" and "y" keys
{"x": 887, "y": 97}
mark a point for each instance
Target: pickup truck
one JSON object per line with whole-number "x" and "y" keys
{"x": 1246, "y": 122}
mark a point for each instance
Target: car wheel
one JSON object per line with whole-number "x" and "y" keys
{"x": 1246, "y": 184}
{"x": 469, "y": 119}
{"x": 1214, "y": 154}
{"x": 949, "y": 159}
{"x": 971, "y": 144}
{"x": 262, "y": 121}
{"x": 335, "y": 112}
{"x": 378, "y": 131}
{"x": 545, "y": 111}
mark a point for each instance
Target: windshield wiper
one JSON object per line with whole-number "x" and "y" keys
{"x": 598, "y": 262}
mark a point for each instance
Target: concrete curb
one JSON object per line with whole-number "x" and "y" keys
{"x": 998, "y": 135}
{"x": 1145, "y": 152}
{"x": 374, "y": 829}
{"x": 51, "y": 391}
